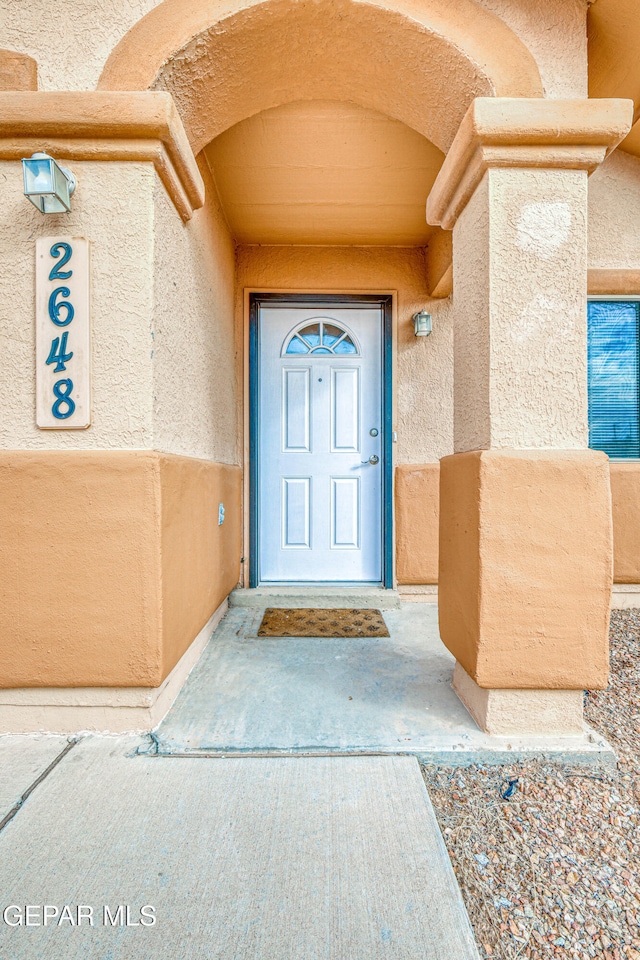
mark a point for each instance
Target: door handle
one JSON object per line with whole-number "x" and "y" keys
{"x": 373, "y": 459}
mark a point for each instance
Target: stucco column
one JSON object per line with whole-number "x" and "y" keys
{"x": 525, "y": 515}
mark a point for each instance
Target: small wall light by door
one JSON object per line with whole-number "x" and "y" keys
{"x": 47, "y": 184}
{"x": 422, "y": 324}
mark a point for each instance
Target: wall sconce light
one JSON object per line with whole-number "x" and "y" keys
{"x": 47, "y": 184}
{"x": 422, "y": 324}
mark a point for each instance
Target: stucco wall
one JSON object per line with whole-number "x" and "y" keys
{"x": 625, "y": 498}
{"x": 113, "y": 207}
{"x": 163, "y": 353}
{"x": 200, "y": 562}
{"x": 418, "y": 505}
{"x": 112, "y": 562}
{"x": 614, "y": 213}
{"x": 417, "y": 499}
{"x": 54, "y": 33}
{"x": 145, "y": 562}
{"x": 70, "y": 40}
{"x": 196, "y": 366}
{"x": 555, "y": 31}
{"x": 424, "y": 366}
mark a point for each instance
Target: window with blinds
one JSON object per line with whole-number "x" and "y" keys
{"x": 614, "y": 369}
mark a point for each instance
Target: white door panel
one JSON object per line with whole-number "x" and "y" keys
{"x": 296, "y": 409}
{"x": 320, "y": 396}
{"x": 345, "y": 410}
{"x": 345, "y": 513}
{"x": 296, "y": 512}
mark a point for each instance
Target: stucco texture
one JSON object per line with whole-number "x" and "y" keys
{"x": 423, "y": 372}
{"x": 417, "y": 500}
{"x": 69, "y": 40}
{"x": 164, "y": 367}
{"x": 555, "y": 32}
{"x": 113, "y": 207}
{"x": 625, "y": 498}
{"x": 614, "y": 215}
{"x": 253, "y": 55}
{"x": 526, "y": 566}
{"x": 112, "y": 562}
{"x": 196, "y": 361}
{"x": 200, "y": 557}
{"x": 520, "y": 264}
{"x": 17, "y": 71}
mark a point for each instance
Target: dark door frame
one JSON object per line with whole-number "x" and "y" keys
{"x": 385, "y": 301}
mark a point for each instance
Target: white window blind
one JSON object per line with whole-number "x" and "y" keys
{"x": 614, "y": 370}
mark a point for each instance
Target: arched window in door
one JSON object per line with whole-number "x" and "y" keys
{"x": 320, "y": 336}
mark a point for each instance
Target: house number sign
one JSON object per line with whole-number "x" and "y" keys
{"x": 63, "y": 357}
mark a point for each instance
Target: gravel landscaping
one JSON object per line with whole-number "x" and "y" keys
{"x": 553, "y": 869}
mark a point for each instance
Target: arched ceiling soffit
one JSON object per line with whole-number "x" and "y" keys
{"x": 418, "y": 61}
{"x": 614, "y": 64}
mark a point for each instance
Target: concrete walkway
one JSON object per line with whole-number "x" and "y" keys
{"x": 317, "y": 850}
{"x": 248, "y": 694}
{"x": 241, "y": 859}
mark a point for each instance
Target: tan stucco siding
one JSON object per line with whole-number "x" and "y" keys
{"x": 80, "y": 555}
{"x": 417, "y": 501}
{"x": 112, "y": 562}
{"x": 113, "y": 208}
{"x": 417, "y": 509}
{"x": 196, "y": 365}
{"x": 200, "y": 557}
{"x": 518, "y": 344}
{"x": 165, "y": 369}
{"x": 526, "y": 531}
{"x": 614, "y": 214}
{"x": 625, "y": 497}
{"x": 555, "y": 32}
{"x": 69, "y": 40}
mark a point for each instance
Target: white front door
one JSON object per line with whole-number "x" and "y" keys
{"x": 320, "y": 443}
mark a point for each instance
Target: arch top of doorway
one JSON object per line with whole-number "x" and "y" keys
{"x": 418, "y": 61}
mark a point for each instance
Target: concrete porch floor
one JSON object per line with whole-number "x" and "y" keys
{"x": 250, "y": 695}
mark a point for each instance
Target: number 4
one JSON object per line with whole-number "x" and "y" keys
{"x": 58, "y": 354}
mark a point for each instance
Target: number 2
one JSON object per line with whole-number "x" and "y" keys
{"x": 56, "y": 270}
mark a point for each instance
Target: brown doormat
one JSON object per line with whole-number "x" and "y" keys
{"x": 314, "y": 622}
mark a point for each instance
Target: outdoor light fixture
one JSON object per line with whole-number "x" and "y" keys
{"x": 422, "y": 324}
{"x": 47, "y": 184}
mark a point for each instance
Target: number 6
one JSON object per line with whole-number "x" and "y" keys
{"x": 55, "y": 307}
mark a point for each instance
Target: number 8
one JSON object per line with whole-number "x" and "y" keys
{"x": 63, "y": 398}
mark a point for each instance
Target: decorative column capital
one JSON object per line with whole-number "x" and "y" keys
{"x": 142, "y": 125}
{"x": 523, "y": 132}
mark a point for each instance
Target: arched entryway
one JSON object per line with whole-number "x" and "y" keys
{"x": 411, "y": 68}
{"x": 421, "y": 63}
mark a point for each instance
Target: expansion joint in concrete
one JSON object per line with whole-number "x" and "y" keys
{"x": 36, "y": 783}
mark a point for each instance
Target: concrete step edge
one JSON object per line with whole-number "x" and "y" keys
{"x": 324, "y": 597}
